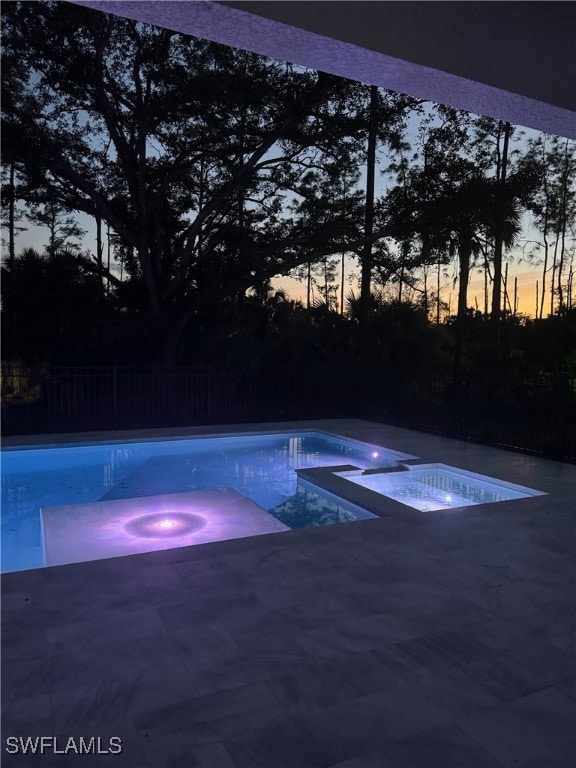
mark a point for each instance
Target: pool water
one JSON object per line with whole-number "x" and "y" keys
{"x": 432, "y": 487}
{"x": 261, "y": 467}
{"x": 310, "y": 506}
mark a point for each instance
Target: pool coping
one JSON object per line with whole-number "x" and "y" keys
{"x": 84, "y": 439}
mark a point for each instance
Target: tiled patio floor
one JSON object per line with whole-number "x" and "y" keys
{"x": 444, "y": 640}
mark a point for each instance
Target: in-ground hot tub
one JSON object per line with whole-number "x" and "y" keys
{"x": 430, "y": 487}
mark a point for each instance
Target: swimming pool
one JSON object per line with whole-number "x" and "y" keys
{"x": 77, "y": 495}
{"x": 432, "y": 487}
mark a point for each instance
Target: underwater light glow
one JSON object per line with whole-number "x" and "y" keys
{"x": 80, "y": 532}
{"x": 375, "y": 455}
{"x": 157, "y": 524}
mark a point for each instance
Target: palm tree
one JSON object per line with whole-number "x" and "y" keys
{"x": 52, "y": 306}
{"x": 455, "y": 218}
{"x": 502, "y": 217}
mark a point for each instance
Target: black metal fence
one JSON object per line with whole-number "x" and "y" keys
{"x": 74, "y": 399}
{"x": 536, "y": 415}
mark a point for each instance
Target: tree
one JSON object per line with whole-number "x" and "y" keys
{"x": 366, "y": 258}
{"x": 414, "y": 210}
{"x": 64, "y": 230}
{"x": 512, "y": 185}
{"x": 52, "y": 309}
{"x": 186, "y": 149}
{"x": 11, "y": 214}
{"x": 329, "y": 200}
{"x": 385, "y": 119}
{"x": 551, "y": 161}
{"x": 453, "y": 201}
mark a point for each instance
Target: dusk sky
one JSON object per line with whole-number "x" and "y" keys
{"x": 526, "y": 270}
{"x": 523, "y": 260}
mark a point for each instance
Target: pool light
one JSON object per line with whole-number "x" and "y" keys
{"x": 164, "y": 524}
{"x": 375, "y": 454}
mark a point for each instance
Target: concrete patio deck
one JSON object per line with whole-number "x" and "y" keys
{"x": 439, "y": 640}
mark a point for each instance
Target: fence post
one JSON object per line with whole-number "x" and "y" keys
{"x": 563, "y": 417}
{"x": 115, "y": 393}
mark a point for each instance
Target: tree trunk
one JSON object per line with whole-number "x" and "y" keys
{"x": 12, "y": 254}
{"x": 506, "y": 297}
{"x": 108, "y": 257}
{"x": 544, "y": 235}
{"x": 544, "y": 270}
{"x": 485, "y": 287}
{"x": 553, "y": 278}
{"x": 11, "y": 220}
{"x": 342, "y": 288}
{"x": 52, "y": 226}
{"x": 169, "y": 337}
{"x": 499, "y": 233}
{"x": 464, "y": 256}
{"x": 99, "y": 248}
{"x": 563, "y": 228}
{"x": 438, "y": 296}
{"x": 366, "y": 274}
{"x": 405, "y": 246}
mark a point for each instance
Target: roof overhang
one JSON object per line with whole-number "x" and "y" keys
{"x": 513, "y": 61}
